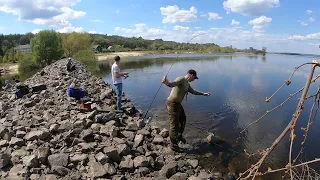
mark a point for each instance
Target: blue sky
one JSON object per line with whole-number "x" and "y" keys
{"x": 280, "y": 25}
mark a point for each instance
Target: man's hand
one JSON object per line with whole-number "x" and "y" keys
{"x": 207, "y": 94}
{"x": 125, "y": 73}
{"x": 165, "y": 80}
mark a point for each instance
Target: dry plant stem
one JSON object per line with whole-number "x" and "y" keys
{"x": 280, "y": 105}
{"x": 310, "y": 121}
{"x": 287, "y": 80}
{"x": 298, "y": 165}
{"x": 291, "y": 125}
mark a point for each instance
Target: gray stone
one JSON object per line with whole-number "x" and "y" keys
{"x": 143, "y": 132}
{"x": 43, "y": 153}
{"x": 142, "y": 171}
{"x": 60, "y": 159}
{"x": 102, "y": 158}
{"x": 140, "y": 161}
{"x": 138, "y": 140}
{"x": 132, "y": 127}
{"x": 126, "y": 163}
{"x": 78, "y": 158}
{"x": 113, "y": 131}
{"x": 20, "y": 134}
{"x": 204, "y": 175}
{"x": 111, "y": 170}
{"x": 17, "y": 170}
{"x": 169, "y": 169}
{"x": 34, "y": 177}
{"x": 3, "y": 143}
{"x": 112, "y": 153}
{"x": 123, "y": 149}
{"x": 158, "y": 139}
{"x": 16, "y": 142}
{"x": 87, "y": 134}
{"x": 3, "y": 130}
{"x": 140, "y": 124}
{"x": 179, "y": 176}
{"x": 98, "y": 170}
{"x": 54, "y": 127}
{"x": 193, "y": 162}
{"x": 128, "y": 134}
{"x": 60, "y": 170}
{"x": 30, "y": 161}
{"x": 29, "y": 104}
{"x": 79, "y": 124}
{"x": 38, "y": 134}
{"x": 4, "y": 160}
{"x": 164, "y": 133}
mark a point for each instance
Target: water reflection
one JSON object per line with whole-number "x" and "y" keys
{"x": 239, "y": 84}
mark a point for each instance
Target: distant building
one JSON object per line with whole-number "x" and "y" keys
{"x": 97, "y": 48}
{"x": 23, "y": 48}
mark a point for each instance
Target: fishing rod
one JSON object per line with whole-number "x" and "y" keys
{"x": 167, "y": 75}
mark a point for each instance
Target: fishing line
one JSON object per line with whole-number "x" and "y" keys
{"x": 168, "y": 73}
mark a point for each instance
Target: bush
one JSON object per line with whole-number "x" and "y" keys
{"x": 28, "y": 64}
{"x": 88, "y": 58}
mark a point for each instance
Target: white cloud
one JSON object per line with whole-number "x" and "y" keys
{"x": 69, "y": 29}
{"x": 94, "y": 32}
{"x": 173, "y": 14}
{"x": 303, "y": 23}
{"x": 118, "y": 11}
{"x": 250, "y": 7}
{"x": 54, "y": 13}
{"x": 142, "y": 30}
{"x": 235, "y": 23}
{"x": 309, "y": 12}
{"x": 180, "y": 28}
{"x": 35, "y": 31}
{"x": 214, "y": 16}
{"x": 314, "y": 36}
{"x": 197, "y": 27}
{"x": 311, "y": 19}
{"x": 260, "y": 23}
{"x": 97, "y": 21}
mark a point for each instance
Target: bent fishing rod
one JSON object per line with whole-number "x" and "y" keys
{"x": 168, "y": 73}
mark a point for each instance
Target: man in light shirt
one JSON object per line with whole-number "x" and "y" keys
{"x": 117, "y": 80}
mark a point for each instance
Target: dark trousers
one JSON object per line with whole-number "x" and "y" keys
{"x": 177, "y": 121}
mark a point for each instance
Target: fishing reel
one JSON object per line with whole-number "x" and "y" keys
{"x": 125, "y": 76}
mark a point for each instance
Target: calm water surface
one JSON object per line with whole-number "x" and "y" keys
{"x": 239, "y": 85}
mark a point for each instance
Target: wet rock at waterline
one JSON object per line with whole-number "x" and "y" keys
{"x": 46, "y": 135}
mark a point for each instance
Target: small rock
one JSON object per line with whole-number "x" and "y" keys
{"x": 193, "y": 162}
{"x": 112, "y": 153}
{"x": 169, "y": 169}
{"x": 132, "y": 127}
{"x": 16, "y": 142}
{"x": 4, "y": 160}
{"x": 87, "y": 135}
{"x": 30, "y": 161}
{"x": 38, "y": 134}
{"x": 179, "y": 176}
{"x": 20, "y": 134}
{"x": 123, "y": 149}
{"x": 102, "y": 158}
{"x": 3, "y": 143}
{"x": 126, "y": 163}
{"x": 60, "y": 170}
{"x": 142, "y": 171}
{"x": 140, "y": 124}
{"x": 53, "y": 127}
{"x": 111, "y": 170}
{"x": 143, "y": 132}
{"x": 29, "y": 104}
{"x": 128, "y": 134}
{"x": 138, "y": 140}
{"x": 158, "y": 139}
{"x": 164, "y": 133}
{"x": 79, "y": 158}
{"x": 140, "y": 161}
{"x": 34, "y": 177}
{"x": 98, "y": 170}
{"x": 43, "y": 153}
{"x": 60, "y": 159}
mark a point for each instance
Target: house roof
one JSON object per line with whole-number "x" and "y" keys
{"x": 22, "y": 46}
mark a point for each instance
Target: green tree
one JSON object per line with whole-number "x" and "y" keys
{"x": 46, "y": 47}
{"x": 24, "y": 40}
{"x": 76, "y": 42}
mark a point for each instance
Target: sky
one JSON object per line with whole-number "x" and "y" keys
{"x": 279, "y": 25}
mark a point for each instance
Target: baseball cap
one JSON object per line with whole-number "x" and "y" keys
{"x": 193, "y": 72}
{"x": 117, "y": 58}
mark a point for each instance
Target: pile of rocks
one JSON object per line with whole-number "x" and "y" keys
{"x": 45, "y": 135}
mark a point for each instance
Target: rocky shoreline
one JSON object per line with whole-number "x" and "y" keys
{"x": 46, "y": 135}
